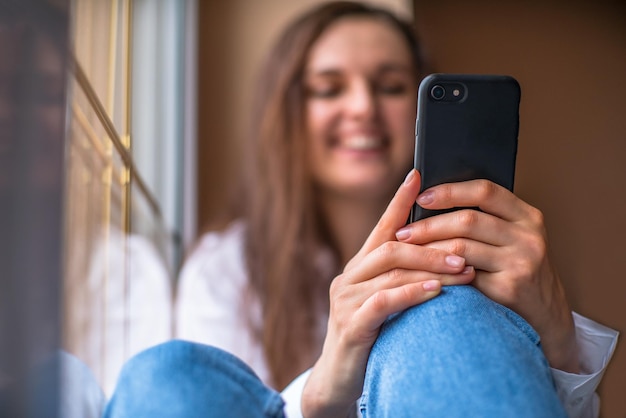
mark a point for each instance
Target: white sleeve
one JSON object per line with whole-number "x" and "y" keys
{"x": 292, "y": 395}
{"x": 577, "y": 392}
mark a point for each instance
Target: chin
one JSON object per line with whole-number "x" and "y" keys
{"x": 363, "y": 179}
{"x": 368, "y": 186}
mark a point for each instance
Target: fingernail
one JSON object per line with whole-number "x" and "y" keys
{"x": 403, "y": 233}
{"x": 426, "y": 198}
{"x": 431, "y": 285}
{"x": 455, "y": 260}
{"x": 467, "y": 270}
{"x": 409, "y": 177}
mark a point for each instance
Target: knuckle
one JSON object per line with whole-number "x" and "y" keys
{"x": 394, "y": 275}
{"x": 341, "y": 301}
{"x": 333, "y": 286}
{"x": 486, "y": 189}
{"x": 350, "y": 264}
{"x": 467, "y": 218}
{"x": 524, "y": 269}
{"x": 337, "y": 287}
{"x": 388, "y": 249}
{"x": 458, "y": 246}
{"x": 432, "y": 257}
{"x": 536, "y": 216}
{"x": 538, "y": 246}
{"x": 379, "y": 302}
{"x": 410, "y": 294}
{"x": 535, "y": 246}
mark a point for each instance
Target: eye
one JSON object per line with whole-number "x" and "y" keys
{"x": 324, "y": 92}
{"x": 391, "y": 89}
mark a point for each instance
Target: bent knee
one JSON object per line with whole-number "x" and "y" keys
{"x": 453, "y": 302}
{"x": 176, "y": 355}
{"x": 458, "y": 315}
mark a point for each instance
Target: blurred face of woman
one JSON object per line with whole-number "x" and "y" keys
{"x": 360, "y": 108}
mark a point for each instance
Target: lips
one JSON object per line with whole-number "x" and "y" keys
{"x": 362, "y": 143}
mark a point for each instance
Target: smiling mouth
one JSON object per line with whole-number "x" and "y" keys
{"x": 363, "y": 143}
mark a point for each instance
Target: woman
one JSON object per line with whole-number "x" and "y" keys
{"x": 333, "y": 139}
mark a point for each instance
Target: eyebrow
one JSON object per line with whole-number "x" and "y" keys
{"x": 384, "y": 68}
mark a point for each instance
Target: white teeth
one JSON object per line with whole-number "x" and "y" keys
{"x": 362, "y": 142}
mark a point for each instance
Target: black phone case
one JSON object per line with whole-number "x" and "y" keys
{"x": 470, "y": 137}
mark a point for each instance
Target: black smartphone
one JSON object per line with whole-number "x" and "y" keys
{"x": 466, "y": 129}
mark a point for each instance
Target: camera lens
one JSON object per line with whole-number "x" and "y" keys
{"x": 437, "y": 92}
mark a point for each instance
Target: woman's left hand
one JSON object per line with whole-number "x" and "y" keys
{"x": 507, "y": 245}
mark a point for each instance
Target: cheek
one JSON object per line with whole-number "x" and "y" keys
{"x": 316, "y": 126}
{"x": 400, "y": 118}
{"x": 319, "y": 116}
{"x": 400, "y": 121}
{"x": 319, "y": 122}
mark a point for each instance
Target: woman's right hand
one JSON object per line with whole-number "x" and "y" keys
{"x": 383, "y": 278}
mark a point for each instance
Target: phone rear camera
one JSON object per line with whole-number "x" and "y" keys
{"x": 437, "y": 92}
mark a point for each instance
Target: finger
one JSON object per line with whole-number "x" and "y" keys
{"x": 488, "y": 196}
{"x": 381, "y": 304}
{"x": 344, "y": 294}
{"x": 395, "y": 215}
{"x": 467, "y": 223}
{"x": 400, "y": 277}
{"x": 481, "y": 256}
{"x": 396, "y": 255}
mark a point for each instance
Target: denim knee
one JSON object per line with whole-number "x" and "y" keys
{"x": 458, "y": 355}
{"x": 460, "y": 302}
{"x": 180, "y": 378}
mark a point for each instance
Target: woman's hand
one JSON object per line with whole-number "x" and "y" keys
{"x": 385, "y": 277}
{"x": 507, "y": 245}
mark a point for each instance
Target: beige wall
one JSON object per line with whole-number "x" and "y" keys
{"x": 570, "y": 59}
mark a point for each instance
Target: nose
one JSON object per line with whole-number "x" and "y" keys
{"x": 361, "y": 101}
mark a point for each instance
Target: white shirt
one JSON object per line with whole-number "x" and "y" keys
{"x": 211, "y": 309}
{"x": 121, "y": 307}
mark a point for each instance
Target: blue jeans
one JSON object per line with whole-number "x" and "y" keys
{"x": 180, "y": 379}
{"x": 458, "y": 355}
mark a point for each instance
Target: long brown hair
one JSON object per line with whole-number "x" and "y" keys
{"x": 284, "y": 231}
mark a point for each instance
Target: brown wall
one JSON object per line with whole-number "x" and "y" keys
{"x": 571, "y": 62}
{"x": 570, "y": 59}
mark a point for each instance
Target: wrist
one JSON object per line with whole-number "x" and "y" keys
{"x": 561, "y": 350}
{"x": 320, "y": 402}
{"x": 564, "y": 356}
{"x": 334, "y": 385}
{"x": 558, "y": 335}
